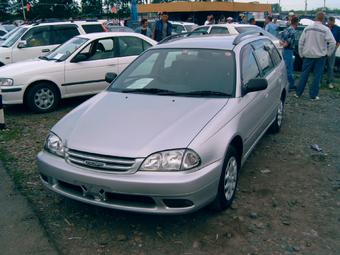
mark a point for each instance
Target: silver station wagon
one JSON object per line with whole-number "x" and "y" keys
{"x": 171, "y": 132}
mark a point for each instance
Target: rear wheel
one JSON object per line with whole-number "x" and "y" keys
{"x": 228, "y": 181}
{"x": 43, "y": 97}
{"x": 276, "y": 126}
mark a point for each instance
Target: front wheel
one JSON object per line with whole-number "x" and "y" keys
{"x": 43, "y": 97}
{"x": 276, "y": 126}
{"x": 228, "y": 181}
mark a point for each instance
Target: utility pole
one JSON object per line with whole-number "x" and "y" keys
{"x": 23, "y": 9}
{"x": 305, "y": 7}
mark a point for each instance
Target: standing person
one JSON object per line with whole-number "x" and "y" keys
{"x": 252, "y": 21}
{"x": 210, "y": 20}
{"x": 163, "y": 28}
{"x": 144, "y": 29}
{"x": 331, "y": 59}
{"x": 270, "y": 26}
{"x": 316, "y": 42}
{"x": 230, "y": 20}
{"x": 288, "y": 41}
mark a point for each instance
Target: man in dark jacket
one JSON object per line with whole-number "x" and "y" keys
{"x": 163, "y": 28}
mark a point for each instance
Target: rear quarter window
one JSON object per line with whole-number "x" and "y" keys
{"x": 93, "y": 28}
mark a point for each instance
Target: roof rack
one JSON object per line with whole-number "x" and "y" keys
{"x": 241, "y": 36}
{"x": 178, "y": 36}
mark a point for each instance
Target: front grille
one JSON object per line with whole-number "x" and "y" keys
{"x": 99, "y": 162}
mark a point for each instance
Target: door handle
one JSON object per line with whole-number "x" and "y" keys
{"x": 45, "y": 50}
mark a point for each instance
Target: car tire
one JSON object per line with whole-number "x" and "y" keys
{"x": 43, "y": 97}
{"x": 228, "y": 181}
{"x": 276, "y": 125}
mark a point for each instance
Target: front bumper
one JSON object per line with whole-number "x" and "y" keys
{"x": 146, "y": 192}
{"x": 13, "y": 95}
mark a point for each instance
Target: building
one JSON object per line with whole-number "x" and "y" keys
{"x": 198, "y": 11}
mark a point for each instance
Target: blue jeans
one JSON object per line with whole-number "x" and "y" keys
{"x": 288, "y": 58}
{"x": 309, "y": 64}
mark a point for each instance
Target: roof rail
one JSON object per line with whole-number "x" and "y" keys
{"x": 241, "y": 36}
{"x": 179, "y": 36}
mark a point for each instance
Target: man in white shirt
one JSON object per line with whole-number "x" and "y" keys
{"x": 210, "y": 20}
{"x": 315, "y": 44}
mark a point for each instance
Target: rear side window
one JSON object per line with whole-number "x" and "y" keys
{"x": 93, "y": 28}
{"x": 264, "y": 59}
{"x": 63, "y": 33}
{"x": 201, "y": 29}
{"x": 38, "y": 36}
{"x": 132, "y": 46}
{"x": 274, "y": 53}
{"x": 2, "y": 33}
{"x": 219, "y": 30}
{"x": 178, "y": 29}
{"x": 249, "y": 68}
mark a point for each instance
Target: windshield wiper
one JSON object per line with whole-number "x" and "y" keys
{"x": 44, "y": 58}
{"x": 149, "y": 91}
{"x": 207, "y": 93}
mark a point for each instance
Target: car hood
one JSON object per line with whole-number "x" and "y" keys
{"x": 25, "y": 67}
{"x": 136, "y": 125}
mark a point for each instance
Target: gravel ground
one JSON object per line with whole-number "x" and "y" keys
{"x": 288, "y": 200}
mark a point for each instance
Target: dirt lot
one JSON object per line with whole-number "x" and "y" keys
{"x": 288, "y": 200}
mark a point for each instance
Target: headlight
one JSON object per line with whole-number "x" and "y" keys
{"x": 54, "y": 145}
{"x": 171, "y": 160}
{"x": 5, "y": 82}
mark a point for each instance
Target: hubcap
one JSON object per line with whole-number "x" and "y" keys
{"x": 44, "y": 98}
{"x": 230, "y": 178}
{"x": 280, "y": 114}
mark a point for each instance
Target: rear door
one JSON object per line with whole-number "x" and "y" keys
{"x": 39, "y": 42}
{"x": 63, "y": 33}
{"x": 88, "y": 75}
{"x": 130, "y": 47}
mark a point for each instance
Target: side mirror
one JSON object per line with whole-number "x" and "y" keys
{"x": 22, "y": 44}
{"x": 110, "y": 77}
{"x": 79, "y": 58}
{"x": 253, "y": 85}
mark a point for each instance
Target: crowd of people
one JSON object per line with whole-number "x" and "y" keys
{"x": 317, "y": 46}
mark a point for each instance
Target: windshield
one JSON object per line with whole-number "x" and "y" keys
{"x": 9, "y": 34}
{"x": 244, "y": 29}
{"x": 65, "y": 50}
{"x": 181, "y": 72}
{"x": 14, "y": 37}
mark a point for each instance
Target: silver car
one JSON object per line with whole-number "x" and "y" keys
{"x": 171, "y": 132}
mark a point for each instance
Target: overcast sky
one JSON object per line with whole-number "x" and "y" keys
{"x": 300, "y": 4}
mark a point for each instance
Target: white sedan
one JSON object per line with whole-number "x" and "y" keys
{"x": 75, "y": 68}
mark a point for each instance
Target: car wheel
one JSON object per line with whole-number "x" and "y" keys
{"x": 228, "y": 181}
{"x": 43, "y": 97}
{"x": 276, "y": 126}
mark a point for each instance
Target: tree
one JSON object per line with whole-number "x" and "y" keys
{"x": 4, "y": 9}
{"x": 92, "y": 7}
{"x": 53, "y": 9}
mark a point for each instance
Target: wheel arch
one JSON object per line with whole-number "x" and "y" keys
{"x": 32, "y": 84}
{"x": 237, "y": 143}
{"x": 283, "y": 95}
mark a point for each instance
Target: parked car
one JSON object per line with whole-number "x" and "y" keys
{"x": 171, "y": 132}
{"x": 31, "y": 41}
{"x": 235, "y": 29}
{"x": 75, "y": 68}
{"x": 182, "y": 27}
{"x": 117, "y": 28}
